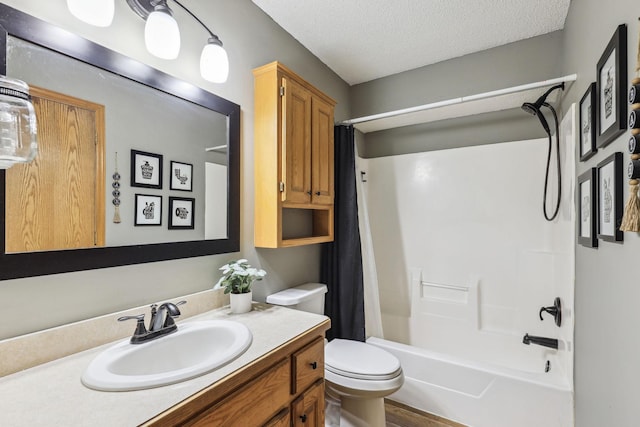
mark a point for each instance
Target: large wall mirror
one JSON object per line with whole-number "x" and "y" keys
{"x": 191, "y": 136}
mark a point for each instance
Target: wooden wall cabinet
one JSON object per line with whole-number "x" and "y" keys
{"x": 294, "y": 166}
{"x": 283, "y": 388}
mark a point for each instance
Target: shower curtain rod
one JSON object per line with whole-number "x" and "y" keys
{"x": 454, "y": 101}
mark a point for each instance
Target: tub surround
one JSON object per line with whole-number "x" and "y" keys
{"x": 52, "y": 394}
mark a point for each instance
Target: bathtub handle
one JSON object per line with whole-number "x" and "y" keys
{"x": 555, "y": 310}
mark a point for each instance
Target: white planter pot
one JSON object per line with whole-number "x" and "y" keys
{"x": 241, "y": 303}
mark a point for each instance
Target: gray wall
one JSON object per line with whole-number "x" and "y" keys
{"x": 514, "y": 64}
{"x": 607, "y": 286}
{"x": 251, "y": 39}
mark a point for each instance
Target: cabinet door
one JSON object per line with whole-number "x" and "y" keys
{"x": 282, "y": 419}
{"x": 296, "y": 143}
{"x": 308, "y": 409}
{"x": 252, "y": 404}
{"x": 321, "y": 152}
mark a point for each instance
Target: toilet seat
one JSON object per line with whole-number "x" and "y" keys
{"x": 358, "y": 370}
{"x": 360, "y": 361}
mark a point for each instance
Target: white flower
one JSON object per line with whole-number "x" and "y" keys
{"x": 238, "y": 276}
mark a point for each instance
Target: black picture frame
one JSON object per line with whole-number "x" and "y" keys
{"x": 181, "y": 213}
{"x": 148, "y": 210}
{"x": 587, "y": 117}
{"x": 611, "y": 74}
{"x": 610, "y": 204}
{"x": 180, "y": 176}
{"x": 146, "y": 169}
{"x": 586, "y": 208}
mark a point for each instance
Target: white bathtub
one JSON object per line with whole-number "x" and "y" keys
{"x": 480, "y": 395}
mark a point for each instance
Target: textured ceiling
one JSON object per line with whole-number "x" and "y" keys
{"x": 362, "y": 40}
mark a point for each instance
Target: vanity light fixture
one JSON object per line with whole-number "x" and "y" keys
{"x": 95, "y": 12}
{"x": 214, "y": 62}
{"x": 18, "y": 130}
{"x": 161, "y": 33}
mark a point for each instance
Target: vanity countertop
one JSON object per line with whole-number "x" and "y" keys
{"x": 52, "y": 394}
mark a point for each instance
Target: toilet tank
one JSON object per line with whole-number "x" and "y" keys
{"x": 308, "y": 297}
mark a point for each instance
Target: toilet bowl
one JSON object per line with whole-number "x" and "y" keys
{"x": 357, "y": 374}
{"x": 360, "y": 376}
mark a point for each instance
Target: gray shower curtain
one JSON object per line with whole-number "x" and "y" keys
{"x": 341, "y": 261}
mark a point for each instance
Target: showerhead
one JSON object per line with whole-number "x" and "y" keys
{"x": 534, "y": 108}
{"x": 530, "y": 108}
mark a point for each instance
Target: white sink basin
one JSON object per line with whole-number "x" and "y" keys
{"x": 196, "y": 348}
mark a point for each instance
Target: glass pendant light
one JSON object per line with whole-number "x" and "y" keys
{"x": 161, "y": 33}
{"x": 95, "y": 12}
{"x": 214, "y": 62}
{"x": 18, "y": 130}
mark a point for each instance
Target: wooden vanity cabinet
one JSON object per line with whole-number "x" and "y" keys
{"x": 283, "y": 388}
{"x": 294, "y": 164}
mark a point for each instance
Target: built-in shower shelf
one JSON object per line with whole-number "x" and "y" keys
{"x": 497, "y": 100}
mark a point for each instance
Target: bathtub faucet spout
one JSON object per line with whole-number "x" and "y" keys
{"x": 543, "y": 341}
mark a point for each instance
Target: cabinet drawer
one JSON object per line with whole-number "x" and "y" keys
{"x": 307, "y": 365}
{"x": 254, "y": 403}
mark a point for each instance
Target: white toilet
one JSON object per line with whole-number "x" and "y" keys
{"x": 359, "y": 375}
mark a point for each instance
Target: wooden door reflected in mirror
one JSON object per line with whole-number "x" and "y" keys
{"x": 57, "y": 201}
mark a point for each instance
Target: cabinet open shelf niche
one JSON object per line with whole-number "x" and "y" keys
{"x": 306, "y": 226}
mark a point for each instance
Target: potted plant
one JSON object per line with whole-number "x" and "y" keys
{"x": 237, "y": 278}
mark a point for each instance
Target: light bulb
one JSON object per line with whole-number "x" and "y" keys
{"x": 214, "y": 62}
{"x": 162, "y": 35}
{"x": 95, "y": 12}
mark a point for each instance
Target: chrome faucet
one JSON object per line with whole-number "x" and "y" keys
{"x": 161, "y": 323}
{"x": 166, "y": 311}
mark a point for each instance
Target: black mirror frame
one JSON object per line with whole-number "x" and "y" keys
{"x": 20, "y": 265}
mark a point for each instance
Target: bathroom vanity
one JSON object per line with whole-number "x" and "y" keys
{"x": 277, "y": 381}
{"x": 285, "y": 385}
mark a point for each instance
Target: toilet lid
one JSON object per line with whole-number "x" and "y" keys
{"x": 355, "y": 359}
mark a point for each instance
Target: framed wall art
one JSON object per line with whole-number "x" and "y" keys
{"x": 588, "y": 123}
{"x": 148, "y": 210}
{"x": 181, "y": 213}
{"x": 146, "y": 169}
{"x": 611, "y": 87}
{"x": 610, "y": 198}
{"x": 181, "y": 176}
{"x": 587, "y": 214}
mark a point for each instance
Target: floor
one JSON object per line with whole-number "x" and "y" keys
{"x": 399, "y": 415}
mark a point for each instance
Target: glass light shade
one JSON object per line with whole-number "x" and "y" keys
{"x": 214, "y": 63}
{"x": 18, "y": 130}
{"x": 162, "y": 35}
{"x": 95, "y": 12}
